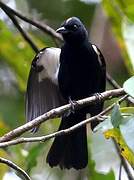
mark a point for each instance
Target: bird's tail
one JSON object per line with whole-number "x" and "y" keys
{"x": 70, "y": 151}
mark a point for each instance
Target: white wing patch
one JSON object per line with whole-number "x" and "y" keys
{"x": 97, "y": 52}
{"x": 50, "y": 61}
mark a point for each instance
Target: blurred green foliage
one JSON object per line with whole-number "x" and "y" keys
{"x": 12, "y": 42}
{"x": 61, "y": 10}
{"x": 121, "y": 12}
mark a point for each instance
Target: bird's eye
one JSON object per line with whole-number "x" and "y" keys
{"x": 72, "y": 27}
{"x": 75, "y": 27}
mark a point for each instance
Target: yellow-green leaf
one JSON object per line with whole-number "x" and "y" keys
{"x": 126, "y": 152}
{"x": 129, "y": 110}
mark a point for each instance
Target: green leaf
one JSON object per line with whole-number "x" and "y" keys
{"x": 129, "y": 110}
{"x": 125, "y": 150}
{"x": 129, "y": 86}
{"x": 116, "y": 117}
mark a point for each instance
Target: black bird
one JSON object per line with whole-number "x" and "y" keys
{"x": 58, "y": 76}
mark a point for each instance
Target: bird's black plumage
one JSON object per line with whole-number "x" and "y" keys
{"x": 79, "y": 71}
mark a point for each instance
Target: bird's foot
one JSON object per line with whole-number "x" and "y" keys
{"x": 73, "y": 105}
{"x": 98, "y": 96}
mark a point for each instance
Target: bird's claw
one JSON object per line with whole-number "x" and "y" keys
{"x": 73, "y": 105}
{"x": 98, "y": 96}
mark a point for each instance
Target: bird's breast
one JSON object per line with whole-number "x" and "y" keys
{"x": 78, "y": 74}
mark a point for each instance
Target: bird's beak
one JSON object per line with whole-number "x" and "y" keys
{"x": 61, "y": 30}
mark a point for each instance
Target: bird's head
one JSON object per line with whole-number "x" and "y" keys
{"x": 73, "y": 31}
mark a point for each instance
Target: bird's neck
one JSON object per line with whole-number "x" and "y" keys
{"x": 76, "y": 46}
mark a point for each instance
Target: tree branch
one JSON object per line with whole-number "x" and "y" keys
{"x": 115, "y": 85}
{"x": 15, "y": 167}
{"x": 60, "y": 111}
{"x": 49, "y": 136}
{"x": 23, "y": 33}
{"x": 61, "y": 132}
{"x": 123, "y": 164}
{"x": 112, "y": 82}
{"x": 120, "y": 171}
{"x": 45, "y": 28}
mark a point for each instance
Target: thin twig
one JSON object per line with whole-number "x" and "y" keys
{"x": 127, "y": 169}
{"x": 49, "y": 136}
{"x": 123, "y": 162}
{"x": 23, "y": 33}
{"x": 115, "y": 85}
{"x": 112, "y": 81}
{"x": 44, "y": 27}
{"x": 120, "y": 170}
{"x": 15, "y": 167}
{"x": 61, "y": 110}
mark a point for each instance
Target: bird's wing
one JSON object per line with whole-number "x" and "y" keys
{"x": 42, "y": 87}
